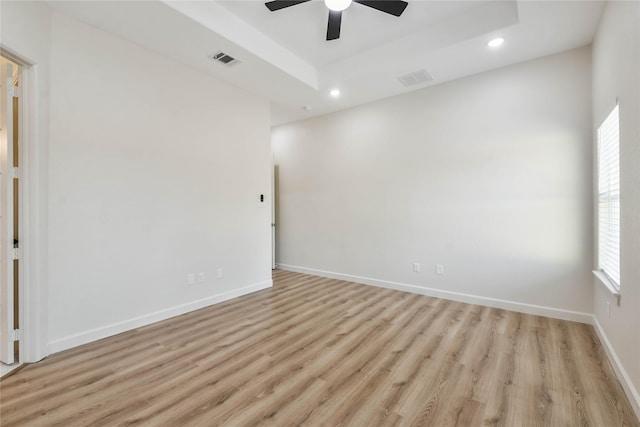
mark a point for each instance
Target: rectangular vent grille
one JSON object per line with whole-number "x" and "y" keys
{"x": 223, "y": 58}
{"x": 415, "y": 78}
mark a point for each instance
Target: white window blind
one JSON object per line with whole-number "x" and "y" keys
{"x": 609, "y": 197}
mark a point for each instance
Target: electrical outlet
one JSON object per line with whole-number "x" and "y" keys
{"x": 200, "y": 277}
{"x": 439, "y": 269}
{"x": 416, "y": 267}
{"x": 219, "y": 273}
{"x": 191, "y": 279}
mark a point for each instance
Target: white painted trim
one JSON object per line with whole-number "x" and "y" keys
{"x": 538, "y": 310}
{"x": 25, "y": 110}
{"x": 32, "y": 290}
{"x": 7, "y": 369}
{"x": 608, "y": 284}
{"x": 35, "y": 308}
{"x": 147, "y": 319}
{"x": 632, "y": 393}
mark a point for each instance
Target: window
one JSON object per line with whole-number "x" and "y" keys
{"x": 609, "y": 198}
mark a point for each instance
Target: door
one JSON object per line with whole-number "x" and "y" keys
{"x": 7, "y": 182}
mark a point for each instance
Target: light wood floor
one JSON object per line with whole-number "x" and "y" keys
{"x": 320, "y": 352}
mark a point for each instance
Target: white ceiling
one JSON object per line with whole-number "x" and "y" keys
{"x": 302, "y": 28}
{"x": 285, "y": 58}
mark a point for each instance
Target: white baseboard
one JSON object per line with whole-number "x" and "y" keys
{"x": 632, "y": 393}
{"x": 147, "y": 319}
{"x": 539, "y": 310}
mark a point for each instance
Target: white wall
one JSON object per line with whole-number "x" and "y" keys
{"x": 32, "y": 48}
{"x": 155, "y": 172}
{"x": 488, "y": 175}
{"x": 616, "y": 74}
{"x": 144, "y": 171}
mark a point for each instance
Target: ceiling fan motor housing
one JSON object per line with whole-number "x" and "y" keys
{"x": 392, "y": 7}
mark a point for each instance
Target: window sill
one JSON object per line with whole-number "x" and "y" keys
{"x": 608, "y": 284}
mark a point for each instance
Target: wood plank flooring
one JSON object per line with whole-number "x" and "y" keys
{"x": 321, "y": 352}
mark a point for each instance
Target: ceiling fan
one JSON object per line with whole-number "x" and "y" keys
{"x": 392, "y": 7}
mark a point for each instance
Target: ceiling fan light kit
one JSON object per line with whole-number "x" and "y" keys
{"x": 337, "y": 5}
{"x": 392, "y": 7}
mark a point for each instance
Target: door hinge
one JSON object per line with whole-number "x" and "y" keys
{"x": 15, "y": 335}
{"x": 15, "y": 173}
{"x": 15, "y": 253}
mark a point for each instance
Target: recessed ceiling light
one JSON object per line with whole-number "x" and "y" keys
{"x": 335, "y": 93}
{"x": 496, "y": 42}
{"x": 337, "y": 5}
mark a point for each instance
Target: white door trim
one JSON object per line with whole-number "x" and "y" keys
{"x": 273, "y": 213}
{"x": 7, "y": 253}
{"x": 33, "y": 303}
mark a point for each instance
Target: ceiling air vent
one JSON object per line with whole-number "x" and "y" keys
{"x": 415, "y": 78}
{"x": 223, "y": 58}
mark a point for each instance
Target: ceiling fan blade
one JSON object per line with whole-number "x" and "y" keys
{"x": 333, "y": 26}
{"x": 392, "y": 7}
{"x": 281, "y": 4}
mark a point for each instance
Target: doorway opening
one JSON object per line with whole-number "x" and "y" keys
{"x": 10, "y": 224}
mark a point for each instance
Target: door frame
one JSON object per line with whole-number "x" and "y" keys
{"x": 10, "y": 218}
{"x": 32, "y": 301}
{"x": 273, "y": 213}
